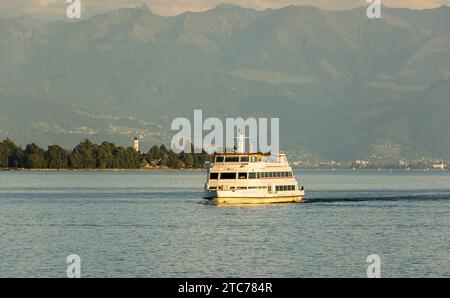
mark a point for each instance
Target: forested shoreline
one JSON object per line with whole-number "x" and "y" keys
{"x": 88, "y": 155}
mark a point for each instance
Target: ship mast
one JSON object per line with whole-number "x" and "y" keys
{"x": 241, "y": 143}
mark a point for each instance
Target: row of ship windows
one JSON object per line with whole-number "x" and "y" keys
{"x": 278, "y": 187}
{"x": 244, "y": 175}
{"x": 235, "y": 159}
{"x": 285, "y": 187}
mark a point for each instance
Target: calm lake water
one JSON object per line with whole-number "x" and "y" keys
{"x": 155, "y": 224}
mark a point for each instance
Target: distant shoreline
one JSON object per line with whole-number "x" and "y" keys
{"x": 203, "y": 170}
{"x": 104, "y": 170}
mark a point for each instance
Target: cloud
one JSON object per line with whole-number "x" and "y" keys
{"x": 53, "y": 9}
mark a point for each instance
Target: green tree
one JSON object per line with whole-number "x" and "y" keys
{"x": 173, "y": 162}
{"x": 188, "y": 159}
{"x": 83, "y": 156}
{"x": 164, "y": 160}
{"x": 34, "y": 157}
{"x": 153, "y": 154}
{"x": 3, "y": 156}
{"x": 88, "y": 155}
{"x": 57, "y": 157}
{"x": 104, "y": 155}
{"x": 163, "y": 150}
{"x": 200, "y": 159}
{"x": 13, "y": 155}
{"x": 134, "y": 158}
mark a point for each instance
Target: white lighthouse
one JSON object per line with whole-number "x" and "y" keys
{"x": 135, "y": 144}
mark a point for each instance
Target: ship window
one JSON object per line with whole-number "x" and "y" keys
{"x": 242, "y": 176}
{"x": 270, "y": 174}
{"x": 232, "y": 159}
{"x": 278, "y": 174}
{"x": 244, "y": 159}
{"x": 227, "y": 176}
{"x": 213, "y": 176}
{"x": 253, "y": 159}
{"x": 258, "y": 175}
{"x": 219, "y": 159}
{"x": 251, "y": 175}
{"x": 242, "y": 187}
{"x": 212, "y": 188}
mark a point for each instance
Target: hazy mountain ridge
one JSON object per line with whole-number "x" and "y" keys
{"x": 344, "y": 86}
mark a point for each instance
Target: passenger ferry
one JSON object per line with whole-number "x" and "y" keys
{"x": 251, "y": 178}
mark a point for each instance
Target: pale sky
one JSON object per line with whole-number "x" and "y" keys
{"x": 54, "y": 9}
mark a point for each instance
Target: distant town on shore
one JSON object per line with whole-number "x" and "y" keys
{"x": 419, "y": 164}
{"x": 90, "y": 156}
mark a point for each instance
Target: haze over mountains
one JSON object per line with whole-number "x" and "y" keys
{"x": 344, "y": 86}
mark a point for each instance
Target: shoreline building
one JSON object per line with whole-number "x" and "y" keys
{"x": 439, "y": 166}
{"x": 135, "y": 144}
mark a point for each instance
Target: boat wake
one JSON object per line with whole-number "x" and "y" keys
{"x": 424, "y": 197}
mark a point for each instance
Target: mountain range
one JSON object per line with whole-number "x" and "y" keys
{"x": 344, "y": 86}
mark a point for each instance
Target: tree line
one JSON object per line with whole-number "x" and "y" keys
{"x": 88, "y": 155}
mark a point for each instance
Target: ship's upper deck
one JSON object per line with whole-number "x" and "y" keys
{"x": 228, "y": 161}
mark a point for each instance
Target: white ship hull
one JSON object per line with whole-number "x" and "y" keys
{"x": 250, "y": 197}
